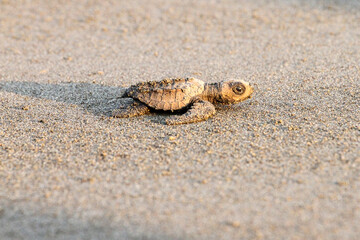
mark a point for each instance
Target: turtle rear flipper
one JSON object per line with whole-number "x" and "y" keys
{"x": 130, "y": 108}
{"x": 199, "y": 111}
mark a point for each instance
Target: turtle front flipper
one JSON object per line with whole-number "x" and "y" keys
{"x": 130, "y": 108}
{"x": 199, "y": 111}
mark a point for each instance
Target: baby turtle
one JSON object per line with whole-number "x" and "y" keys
{"x": 190, "y": 94}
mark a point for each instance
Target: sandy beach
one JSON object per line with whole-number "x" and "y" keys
{"x": 284, "y": 164}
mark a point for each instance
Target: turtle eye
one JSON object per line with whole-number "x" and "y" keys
{"x": 238, "y": 90}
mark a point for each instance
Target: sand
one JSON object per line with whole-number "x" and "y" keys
{"x": 282, "y": 165}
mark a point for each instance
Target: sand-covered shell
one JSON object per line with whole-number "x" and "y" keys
{"x": 168, "y": 94}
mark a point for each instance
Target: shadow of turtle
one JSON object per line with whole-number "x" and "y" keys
{"x": 95, "y": 98}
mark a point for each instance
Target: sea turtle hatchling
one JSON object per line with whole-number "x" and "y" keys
{"x": 190, "y": 94}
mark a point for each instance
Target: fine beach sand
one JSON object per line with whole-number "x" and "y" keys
{"x": 282, "y": 165}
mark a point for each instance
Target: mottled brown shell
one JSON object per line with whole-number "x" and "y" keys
{"x": 168, "y": 94}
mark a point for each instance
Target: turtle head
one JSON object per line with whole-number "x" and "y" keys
{"x": 234, "y": 91}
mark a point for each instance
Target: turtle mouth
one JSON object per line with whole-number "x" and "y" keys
{"x": 251, "y": 92}
{"x": 248, "y": 97}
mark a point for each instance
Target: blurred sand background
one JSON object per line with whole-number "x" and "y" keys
{"x": 282, "y": 165}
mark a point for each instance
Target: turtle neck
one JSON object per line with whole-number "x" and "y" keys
{"x": 212, "y": 92}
